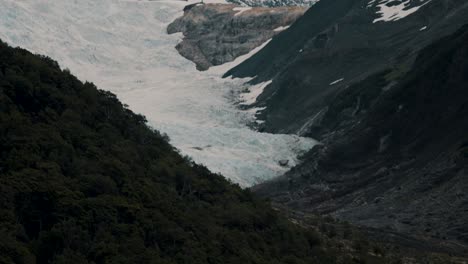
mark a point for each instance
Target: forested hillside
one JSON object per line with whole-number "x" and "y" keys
{"x": 84, "y": 180}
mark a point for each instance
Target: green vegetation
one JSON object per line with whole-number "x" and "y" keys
{"x": 84, "y": 180}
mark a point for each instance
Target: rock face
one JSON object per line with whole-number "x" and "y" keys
{"x": 219, "y": 33}
{"x": 338, "y": 43}
{"x": 395, "y": 152}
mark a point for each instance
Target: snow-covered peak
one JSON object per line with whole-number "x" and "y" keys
{"x": 393, "y": 10}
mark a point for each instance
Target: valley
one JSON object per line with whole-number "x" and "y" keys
{"x": 256, "y": 131}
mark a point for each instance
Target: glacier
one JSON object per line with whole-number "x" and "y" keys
{"x": 122, "y": 46}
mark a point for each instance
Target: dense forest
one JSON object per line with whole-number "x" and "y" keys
{"x": 84, "y": 180}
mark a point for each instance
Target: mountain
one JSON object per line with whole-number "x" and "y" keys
{"x": 273, "y": 3}
{"x": 395, "y": 151}
{"x": 336, "y": 44}
{"x": 83, "y": 179}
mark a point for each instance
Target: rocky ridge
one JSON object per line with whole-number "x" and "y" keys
{"x": 218, "y": 33}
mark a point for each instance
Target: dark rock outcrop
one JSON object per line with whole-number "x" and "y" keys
{"x": 395, "y": 152}
{"x": 219, "y": 33}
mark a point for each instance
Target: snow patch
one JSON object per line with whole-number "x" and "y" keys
{"x": 391, "y": 10}
{"x": 241, "y": 10}
{"x": 280, "y": 28}
{"x": 337, "y": 81}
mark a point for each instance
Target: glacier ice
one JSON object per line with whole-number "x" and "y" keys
{"x": 254, "y": 91}
{"x": 122, "y": 46}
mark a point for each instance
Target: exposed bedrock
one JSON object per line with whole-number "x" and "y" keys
{"x": 394, "y": 155}
{"x": 218, "y": 33}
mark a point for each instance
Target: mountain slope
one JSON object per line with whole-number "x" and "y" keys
{"x": 84, "y": 180}
{"x": 395, "y": 153}
{"x": 337, "y": 43}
